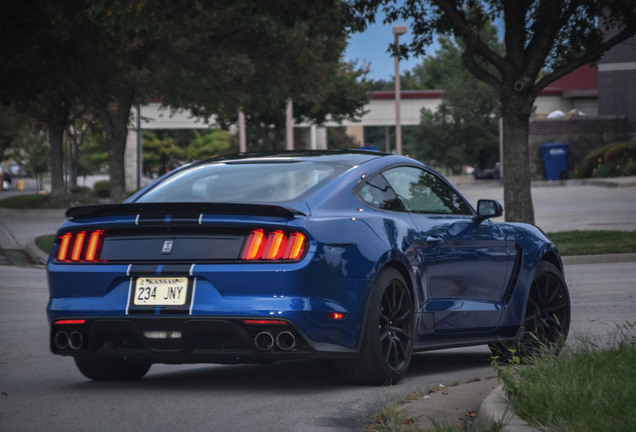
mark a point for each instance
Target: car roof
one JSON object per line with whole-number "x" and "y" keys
{"x": 343, "y": 157}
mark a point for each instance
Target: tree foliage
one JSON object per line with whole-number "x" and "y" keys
{"x": 36, "y": 68}
{"x": 210, "y": 57}
{"x": 560, "y": 35}
{"x": 33, "y": 154}
{"x": 464, "y": 128}
{"x": 166, "y": 150}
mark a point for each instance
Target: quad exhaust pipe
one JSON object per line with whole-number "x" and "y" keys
{"x": 264, "y": 341}
{"x": 284, "y": 341}
{"x": 63, "y": 340}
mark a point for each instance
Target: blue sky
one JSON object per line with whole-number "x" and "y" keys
{"x": 371, "y": 47}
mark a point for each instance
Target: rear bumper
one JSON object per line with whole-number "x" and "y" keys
{"x": 188, "y": 340}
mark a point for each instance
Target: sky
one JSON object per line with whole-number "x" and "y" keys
{"x": 371, "y": 47}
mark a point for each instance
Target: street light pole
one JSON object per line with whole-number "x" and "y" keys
{"x": 397, "y": 31}
{"x": 242, "y": 133}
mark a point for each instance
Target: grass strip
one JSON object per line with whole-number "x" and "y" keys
{"x": 594, "y": 242}
{"x": 585, "y": 389}
{"x": 45, "y": 242}
{"x": 44, "y": 201}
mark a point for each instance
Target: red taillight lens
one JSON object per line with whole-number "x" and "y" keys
{"x": 273, "y": 246}
{"x": 295, "y": 246}
{"x": 254, "y": 246}
{"x": 80, "y": 247}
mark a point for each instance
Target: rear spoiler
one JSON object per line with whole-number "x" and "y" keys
{"x": 181, "y": 210}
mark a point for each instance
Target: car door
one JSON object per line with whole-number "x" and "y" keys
{"x": 464, "y": 265}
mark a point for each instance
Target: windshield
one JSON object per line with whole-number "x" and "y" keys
{"x": 243, "y": 182}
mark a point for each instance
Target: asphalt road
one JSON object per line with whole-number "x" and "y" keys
{"x": 40, "y": 391}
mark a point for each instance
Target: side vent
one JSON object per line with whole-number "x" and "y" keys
{"x": 516, "y": 271}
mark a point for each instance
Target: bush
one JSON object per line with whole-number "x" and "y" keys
{"x": 102, "y": 189}
{"x": 612, "y": 160}
{"x": 81, "y": 190}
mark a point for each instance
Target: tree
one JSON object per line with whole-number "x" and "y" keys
{"x": 33, "y": 154}
{"x": 34, "y": 71}
{"x": 464, "y": 129}
{"x": 7, "y": 132}
{"x": 557, "y": 35}
{"x": 209, "y": 57}
{"x": 161, "y": 154}
{"x": 286, "y": 51}
{"x": 207, "y": 144}
{"x": 212, "y": 58}
{"x": 77, "y": 132}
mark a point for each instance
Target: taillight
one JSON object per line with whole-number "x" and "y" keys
{"x": 274, "y": 245}
{"x": 80, "y": 247}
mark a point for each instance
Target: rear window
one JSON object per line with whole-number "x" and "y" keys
{"x": 243, "y": 182}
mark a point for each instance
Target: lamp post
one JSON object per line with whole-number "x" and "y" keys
{"x": 397, "y": 31}
{"x": 242, "y": 133}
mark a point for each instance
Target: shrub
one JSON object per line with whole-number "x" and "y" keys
{"x": 102, "y": 189}
{"x": 612, "y": 160}
{"x": 81, "y": 190}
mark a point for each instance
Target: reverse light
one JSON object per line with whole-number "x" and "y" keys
{"x": 80, "y": 247}
{"x": 275, "y": 245}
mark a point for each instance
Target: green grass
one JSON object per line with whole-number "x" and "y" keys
{"x": 44, "y": 201}
{"x": 25, "y": 202}
{"x": 45, "y": 242}
{"x": 585, "y": 389}
{"x": 594, "y": 242}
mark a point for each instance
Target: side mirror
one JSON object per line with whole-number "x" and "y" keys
{"x": 488, "y": 209}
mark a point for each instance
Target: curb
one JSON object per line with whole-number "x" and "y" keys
{"x": 496, "y": 408}
{"x": 36, "y": 254}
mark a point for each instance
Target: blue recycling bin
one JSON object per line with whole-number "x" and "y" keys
{"x": 555, "y": 160}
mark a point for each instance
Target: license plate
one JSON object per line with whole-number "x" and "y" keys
{"x": 161, "y": 291}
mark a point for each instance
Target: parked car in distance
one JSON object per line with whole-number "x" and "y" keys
{"x": 490, "y": 173}
{"x": 357, "y": 258}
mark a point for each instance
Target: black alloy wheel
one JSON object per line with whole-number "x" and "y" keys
{"x": 396, "y": 324}
{"x": 387, "y": 337}
{"x": 547, "y": 317}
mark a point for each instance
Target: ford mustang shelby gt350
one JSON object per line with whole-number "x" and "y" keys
{"x": 360, "y": 258}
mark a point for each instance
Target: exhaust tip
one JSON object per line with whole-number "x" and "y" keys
{"x": 75, "y": 340}
{"x": 264, "y": 341}
{"x": 61, "y": 340}
{"x": 286, "y": 341}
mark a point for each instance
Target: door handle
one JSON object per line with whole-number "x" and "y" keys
{"x": 434, "y": 241}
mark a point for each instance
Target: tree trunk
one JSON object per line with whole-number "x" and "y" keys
{"x": 116, "y": 160}
{"x": 516, "y": 163}
{"x": 115, "y": 118}
{"x": 56, "y": 123}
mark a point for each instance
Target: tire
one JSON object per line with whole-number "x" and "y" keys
{"x": 387, "y": 337}
{"x": 109, "y": 369}
{"x": 547, "y": 317}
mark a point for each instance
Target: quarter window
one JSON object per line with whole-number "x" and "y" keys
{"x": 377, "y": 193}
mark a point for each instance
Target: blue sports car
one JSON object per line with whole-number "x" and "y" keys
{"x": 359, "y": 258}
